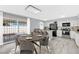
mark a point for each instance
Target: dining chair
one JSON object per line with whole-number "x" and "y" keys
{"x": 45, "y": 41}
{"x": 26, "y": 46}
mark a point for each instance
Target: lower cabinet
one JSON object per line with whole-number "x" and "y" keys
{"x": 59, "y": 33}
{"x": 72, "y": 34}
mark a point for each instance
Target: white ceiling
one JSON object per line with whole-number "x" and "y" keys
{"x": 49, "y": 12}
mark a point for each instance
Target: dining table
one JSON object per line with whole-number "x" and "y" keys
{"x": 32, "y": 39}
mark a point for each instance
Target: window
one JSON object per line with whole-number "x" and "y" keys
{"x": 20, "y": 23}
{"x": 9, "y": 22}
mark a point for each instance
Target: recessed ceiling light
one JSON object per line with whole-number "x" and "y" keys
{"x": 32, "y": 9}
{"x": 63, "y": 16}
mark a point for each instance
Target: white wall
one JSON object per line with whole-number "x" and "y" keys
{"x": 28, "y": 25}
{"x": 1, "y": 28}
{"x": 41, "y": 25}
{"x": 36, "y": 24}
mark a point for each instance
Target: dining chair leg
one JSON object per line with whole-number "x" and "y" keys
{"x": 40, "y": 49}
{"x": 15, "y": 50}
{"x": 47, "y": 49}
{"x": 35, "y": 50}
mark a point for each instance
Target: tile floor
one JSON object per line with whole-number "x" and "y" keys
{"x": 56, "y": 46}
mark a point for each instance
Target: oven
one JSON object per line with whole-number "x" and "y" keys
{"x": 66, "y": 31}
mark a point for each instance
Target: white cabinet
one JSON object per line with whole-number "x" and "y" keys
{"x": 59, "y": 23}
{"x": 72, "y": 34}
{"x": 50, "y": 34}
{"x": 59, "y": 33}
{"x": 77, "y": 39}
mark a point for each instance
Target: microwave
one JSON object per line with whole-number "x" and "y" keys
{"x": 65, "y": 24}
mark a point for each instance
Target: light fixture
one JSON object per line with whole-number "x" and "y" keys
{"x": 62, "y": 16}
{"x": 32, "y": 9}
